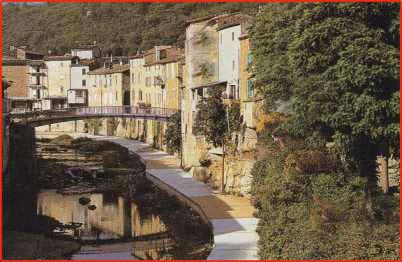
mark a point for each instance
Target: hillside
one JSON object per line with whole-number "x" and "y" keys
{"x": 120, "y": 27}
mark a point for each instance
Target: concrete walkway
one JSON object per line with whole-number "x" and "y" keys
{"x": 234, "y": 226}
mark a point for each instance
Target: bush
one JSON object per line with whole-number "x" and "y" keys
{"x": 62, "y": 139}
{"x": 110, "y": 159}
{"x": 310, "y": 208}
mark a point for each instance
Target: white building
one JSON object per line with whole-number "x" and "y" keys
{"x": 86, "y": 51}
{"x": 77, "y": 94}
{"x": 37, "y": 82}
{"x": 229, "y": 58}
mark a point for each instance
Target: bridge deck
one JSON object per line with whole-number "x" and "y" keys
{"x": 45, "y": 117}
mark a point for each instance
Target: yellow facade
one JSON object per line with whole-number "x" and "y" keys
{"x": 106, "y": 88}
{"x": 251, "y": 103}
{"x": 155, "y": 82}
{"x": 109, "y": 87}
{"x": 58, "y": 83}
{"x": 201, "y": 69}
{"x": 58, "y": 77}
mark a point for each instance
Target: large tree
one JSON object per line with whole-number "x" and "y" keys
{"x": 336, "y": 68}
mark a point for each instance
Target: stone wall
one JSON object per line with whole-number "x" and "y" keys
{"x": 239, "y": 161}
{"x": 19, "y": 181}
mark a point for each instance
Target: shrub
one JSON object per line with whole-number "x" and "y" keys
{"x": 312, "y": 210}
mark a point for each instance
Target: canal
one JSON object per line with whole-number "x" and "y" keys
{"x": 96, "y": 194}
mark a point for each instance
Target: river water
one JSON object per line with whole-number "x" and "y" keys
{"x": 113, "y": 225}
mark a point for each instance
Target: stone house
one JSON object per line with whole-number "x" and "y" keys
{"x": 109, "y": 86}
{"x": 156, "y": 81}
{"x": 15, "y": 71}
{"x": 215, "y": 55}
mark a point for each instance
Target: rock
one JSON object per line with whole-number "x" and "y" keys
{"x": 246, "y": 178}
{"x": 249, "y": 140}
{"x": 200, "y": 173}
{"x": 84, "y": 200}
{"x": 110, "y": 159}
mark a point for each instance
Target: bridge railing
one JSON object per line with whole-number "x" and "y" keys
{"x": 95, "y": 111}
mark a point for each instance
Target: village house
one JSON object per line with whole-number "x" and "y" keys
{"x": 15, "y": 71}
{"x": 109, "y": 86}
{"x": 216, "y": 54}
{"x": 156, "y": 81}
{"x": 86, "y": 51}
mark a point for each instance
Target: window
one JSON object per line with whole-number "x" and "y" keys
{"x": 250, "y": 88}
{"x": 233, "y": 65}
{"x": 200, "y": 92}
{"x": 84, "y": 71}
{"x": 232, "y": 36}
{"x": 84, "y": 82}
{"x": 61, "y": 89}
{"x": 140, "y": 95}
{"x": 249, "y": 59}
{"x": 116, "y": 96}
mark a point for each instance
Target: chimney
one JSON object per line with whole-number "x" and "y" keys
{"x": 157, "y": 53}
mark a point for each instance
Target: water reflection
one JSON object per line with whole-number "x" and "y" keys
{"x": 112, "y": 217}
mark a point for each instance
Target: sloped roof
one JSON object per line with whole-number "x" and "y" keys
{"x": 105, "y": 71}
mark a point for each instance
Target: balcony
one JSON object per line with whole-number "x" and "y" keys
{"x": 77, "y": 97}
{"x": 34, "y": 73}
{"x": 159, "y": 81}
{"x": 36, "y": 86}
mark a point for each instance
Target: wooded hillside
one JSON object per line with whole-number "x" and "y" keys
{"x": 122, "y": 27}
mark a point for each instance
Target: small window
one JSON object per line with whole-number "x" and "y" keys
{"x": 233, "y": 65}
{"x": 84, "y": 71}
{"x": 84, "y": 82}
{"x": 250, "y": 88}
{"x": 61, "y": 89}
{"x": 232, "y": 36}
{"x": 249, "y": 59}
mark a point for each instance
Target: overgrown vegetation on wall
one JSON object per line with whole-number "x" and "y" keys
{"x": 93, "y": 125}
{"x": 332, "y": 69}
{"x": 173, "y": 138}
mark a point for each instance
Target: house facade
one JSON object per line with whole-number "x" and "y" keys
{"x": 156, "y": 81}
{"x": 15, "y": 71}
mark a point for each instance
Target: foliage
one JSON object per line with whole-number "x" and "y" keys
{"x": 211, "y": 117}
{"x": 329, "y": 73}
{"x": 118, "y": 28}
{"x": 335, "y": 67}
{"x": 234, "y": 117}
{"x": 320, "y": 213}
{"x": 93, "y": 125}
{"x": 173, "y": 133}
{"x": 62, "y": 139}
{"x": 112, "y": 124}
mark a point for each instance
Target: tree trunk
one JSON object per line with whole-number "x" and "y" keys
{"x": 385, "y": 175}
{"x": 223, "y": 169}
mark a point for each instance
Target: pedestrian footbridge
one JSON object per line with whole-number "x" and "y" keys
{"x": 45, "y": 117}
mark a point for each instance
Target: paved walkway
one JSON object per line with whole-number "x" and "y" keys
{"x": 234, "y": 226}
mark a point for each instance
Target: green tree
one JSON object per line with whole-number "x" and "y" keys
{"x": 333, "y": 70}
{"x": 335, "y": 67}
{"x": 173, "y": 138}
{"x": 119, "y": 27}
{"x": 216, "y": 121}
